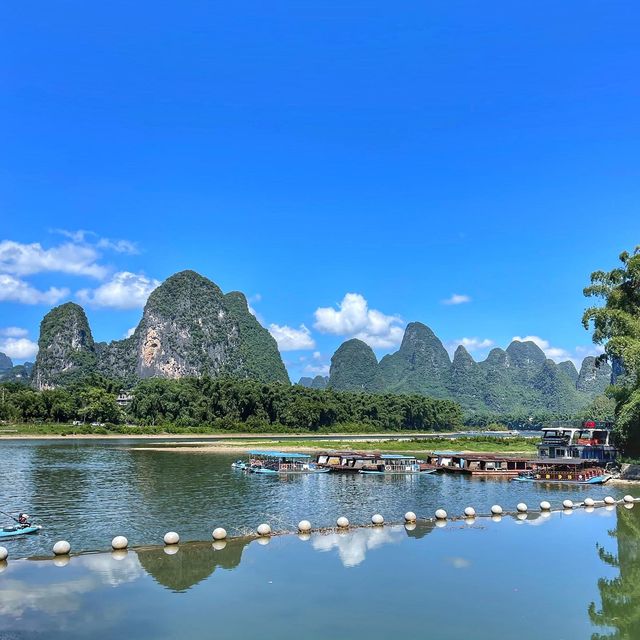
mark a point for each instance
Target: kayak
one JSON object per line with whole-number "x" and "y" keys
{"x": 10, "y": 532}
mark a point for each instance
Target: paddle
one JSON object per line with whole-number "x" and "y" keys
{"x": 10, "y": 516}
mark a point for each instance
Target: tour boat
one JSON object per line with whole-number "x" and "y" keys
{"x": 348, "y": 461}
{"x": 478, "y": 464}
{"x": 393, "y": 464}
{"x": 565, "y": 471}
{"x": 19, "y": 530}
{"x": 274, "y": 462}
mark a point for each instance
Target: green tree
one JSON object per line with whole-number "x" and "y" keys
{"x": 616, "y": 325}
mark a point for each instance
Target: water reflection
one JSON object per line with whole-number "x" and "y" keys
{"x": 620, "y": 596}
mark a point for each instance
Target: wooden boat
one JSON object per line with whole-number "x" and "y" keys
{"x": 393, "y": 464}
{"x": 19, "y": 530}
{"x": 275, "y": 462}
{"x": 479, "y": 464}
{"x": 564, "y": 471}
{"x": 348, "y": 461}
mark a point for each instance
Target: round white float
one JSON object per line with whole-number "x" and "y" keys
{"x": 470, "y": 512}
{"x": 629, "y": 498}
{"x": 441, "y": 514}
{"x": 545, "y": 506}
{"x": 264, "y": 530}
{"x": 342, "y": 522}
{"x": 522, "y": 507}
{"x": 119, "y": 542}
{"x": 171, "y": 549}
{"x": 609, "y": 500}
{"x": 171, "y": 537}
{"x": 4, "y": 554}
{"x": 567, "y": 504}
{"x": 496, "y": 510}
{"x": 589, "y": 502}
{"x": 410, "y": 516}
{"x": 629, "y": 505}
{"x": 219, "y": 545}
{"x": 220, "y": 534}
{"x": 377, "y": 519}
{"x": 304, "y": 526}
{"x": 522, "y": 516}
{"x": 61, "y": 548}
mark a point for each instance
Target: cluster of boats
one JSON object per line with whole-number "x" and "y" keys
{"x": 581, "y": 455}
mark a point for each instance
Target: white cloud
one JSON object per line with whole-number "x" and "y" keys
{"x": 13, "y": 289}
{"x": 125, "y": 290}
{"x": 457, "y": 298}
{"x": 14, "y": 332}
{"x": 27, "y": 259}
{"x": 470, "y": 344}
{"x": 317, "y": 355}
{"x": 560, "y": 354}
{"x": 130, "y": 332}
{"x": 18, "y": 348}
{"x": 355, "y": 319}
{"x": 290, "y": 339}
{"x": 119, "y": 246}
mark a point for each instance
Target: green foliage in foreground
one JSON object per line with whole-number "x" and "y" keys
{"x": 223, "y": 404}
{"x": 616, "y": 325}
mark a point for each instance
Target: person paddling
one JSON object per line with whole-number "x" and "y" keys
{"x": 23, "y": 520}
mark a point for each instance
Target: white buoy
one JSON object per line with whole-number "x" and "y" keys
{"x": 629, "y": 505}
{"x": 496, "y": 510}
{"x": 441, "y": 514}
{"x": 522, "y": 507}
{"x": 629, "y": 498}
{"x": 61, "y": 548}
{"x": 304, "y": 526}
{"x": 609, "y": 500}
{"x": 410, "y": 516}
{"x": 219, "y": 545}
{"x": 342, "y": 522}
{"x": 171, "y": 549}
{"x": 521, "y": 516}
{"x": 264, "y": 530}
{"x": 545, "y": 506}
{"x": 119, "y": 542}
{"x": 377, "y": 519}
{"x": 219, "y": 533}
{"x": 589, "y": 502}
{"x": 469, "y": 512}
{"x": 567, "y": 504}
{"x": 4, "y": 554}
{"x": 171, "y": 537}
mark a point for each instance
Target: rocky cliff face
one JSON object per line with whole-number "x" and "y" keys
{"x": 5, "y": 362}
{"x": 595, "y": 376}
{"x": 518, "y": 379}
{"x": 188, "y": 328}
{"x": 66, "y": 351}
{"x": 317, "y": 382}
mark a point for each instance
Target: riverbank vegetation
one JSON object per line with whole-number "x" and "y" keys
{"x": 616, "y": 326}
{"x": 222, "y": 405}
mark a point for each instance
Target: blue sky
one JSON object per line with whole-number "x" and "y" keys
{"x": 299, "y": 152}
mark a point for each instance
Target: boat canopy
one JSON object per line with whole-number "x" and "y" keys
{"x": 279, "y": 454}
{"x": 393, "y": 456}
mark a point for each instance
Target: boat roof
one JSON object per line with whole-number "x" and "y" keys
{"x": 394, "y": 456}
{"x": 559, "y": 462}
{"x": 278, "y": 454}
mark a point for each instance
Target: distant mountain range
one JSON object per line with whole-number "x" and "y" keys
{"x": 189, "y": 327}
{"x": 521, "y": 378}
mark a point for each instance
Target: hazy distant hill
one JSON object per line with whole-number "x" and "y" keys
{"x": 518, "y": 378}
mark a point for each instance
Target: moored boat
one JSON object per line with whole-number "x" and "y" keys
{"x": 479, "y": 464}
{"x": 348, "y": 461}
{"x": 394, "y": 464}
{"x": 274, "y": 462}
{"x": 563, "y": 472}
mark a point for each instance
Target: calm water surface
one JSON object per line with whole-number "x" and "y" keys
{"x": 561, "y": 577}
{"x": 89, "y": 491}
